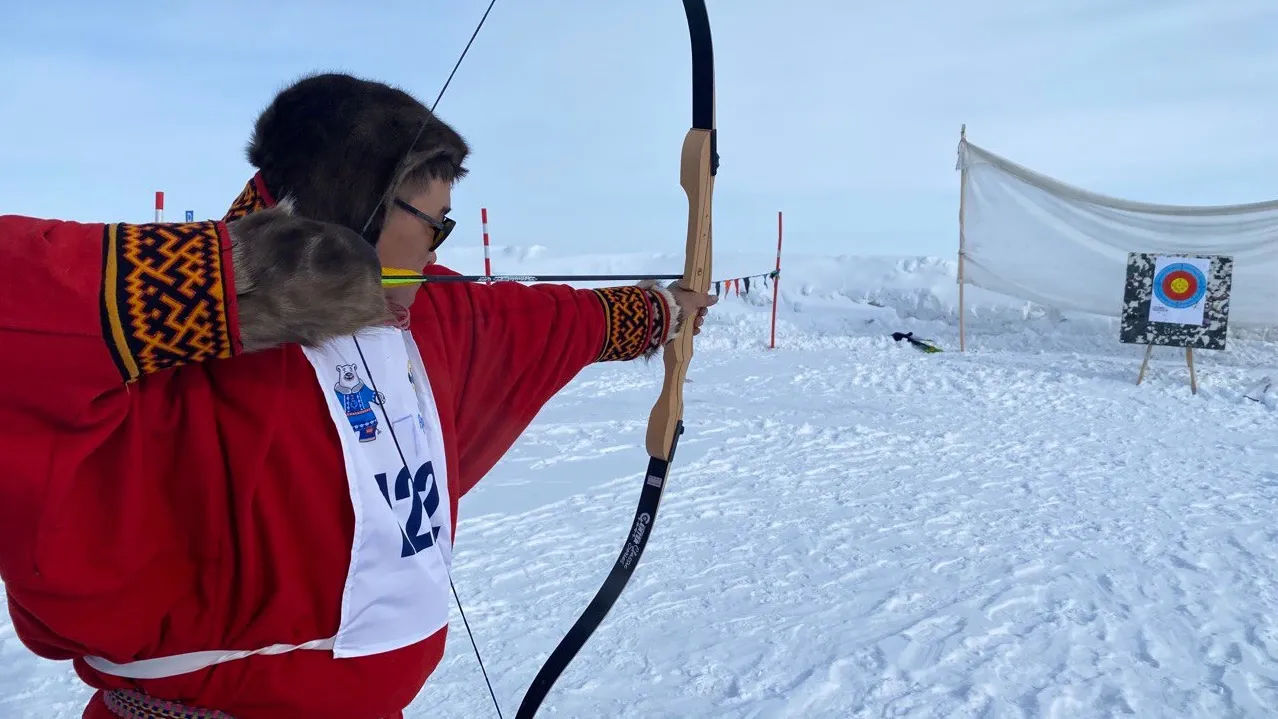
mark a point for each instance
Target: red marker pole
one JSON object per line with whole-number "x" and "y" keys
{"x": 776, "y": 286}
{"x": 488, "y": 263}
{"x": 159, "y": 206}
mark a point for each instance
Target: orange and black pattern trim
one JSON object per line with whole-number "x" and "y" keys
{"x": 166, "y": 296}
{"x": 128, "y": 704}
{"x": 660, "y": 325}
{"x": 254, "y": 197}
{"x": 637, "y": 320}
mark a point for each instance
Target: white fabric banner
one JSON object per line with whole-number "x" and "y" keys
{"x": 1033, "y": 237}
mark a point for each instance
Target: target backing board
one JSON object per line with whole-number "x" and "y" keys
{"x": 1178, "y": 301}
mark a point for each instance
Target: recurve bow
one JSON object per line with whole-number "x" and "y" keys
{"x": 699, "y": 164}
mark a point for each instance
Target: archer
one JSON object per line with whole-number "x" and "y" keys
{"x": 217, "y": 400}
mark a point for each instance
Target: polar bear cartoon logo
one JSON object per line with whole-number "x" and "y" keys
{"x": 357, "y": 400}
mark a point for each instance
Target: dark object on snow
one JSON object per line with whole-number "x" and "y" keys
{"x": 1259, "y": 390}
{"x": 920, "y": 345}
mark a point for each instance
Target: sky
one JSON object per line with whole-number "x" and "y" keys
{"x": 842, "y": 114}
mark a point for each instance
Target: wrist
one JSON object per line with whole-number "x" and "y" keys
{"x": 666, "y": 314}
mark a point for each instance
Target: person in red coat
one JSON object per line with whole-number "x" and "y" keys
{"x": 231, "y": 460}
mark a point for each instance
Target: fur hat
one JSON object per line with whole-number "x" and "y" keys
{"x": 333, "y": 143}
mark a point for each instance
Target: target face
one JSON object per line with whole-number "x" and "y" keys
{"x": 1180, "y": 285}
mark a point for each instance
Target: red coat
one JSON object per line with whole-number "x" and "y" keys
{"x": 204, "y": 505}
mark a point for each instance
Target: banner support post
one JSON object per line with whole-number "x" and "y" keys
{"x": 776, "y": 285}
{"x": 962, "y": 250}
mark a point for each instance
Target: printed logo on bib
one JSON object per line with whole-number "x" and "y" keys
{"x": 357, "y": 401}
{"x": 422, "y": 509}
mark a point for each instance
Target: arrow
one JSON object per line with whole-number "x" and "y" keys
{"x": 397, "y": 278}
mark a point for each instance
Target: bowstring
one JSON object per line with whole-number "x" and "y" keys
{"x": 422, "y": 127}
{"x": 390, "y": 424}
{"x": 368, "y": 223}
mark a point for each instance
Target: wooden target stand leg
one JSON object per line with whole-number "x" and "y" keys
{"x": 1189, "y": 360}
{"x": 1193, "y": 377}
{"x": 1149, "y": 350}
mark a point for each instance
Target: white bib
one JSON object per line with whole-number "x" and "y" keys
{"x": 396, "y": 590}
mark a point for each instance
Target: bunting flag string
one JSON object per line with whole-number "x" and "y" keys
{"x": 741, "y": 285}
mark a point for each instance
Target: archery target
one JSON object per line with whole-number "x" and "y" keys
{"x": 1179, "y": 292}
{"x": 1180, "y": 285}
{"x": 1176, "y": 300}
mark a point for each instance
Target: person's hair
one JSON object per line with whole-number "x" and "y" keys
{"x": 422, "y": 168}
{"x": 339, "y": 147}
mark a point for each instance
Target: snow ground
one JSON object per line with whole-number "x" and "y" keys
{"x": 856, "y": 529}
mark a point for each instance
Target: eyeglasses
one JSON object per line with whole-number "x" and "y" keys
{"x": 441, "y": 228}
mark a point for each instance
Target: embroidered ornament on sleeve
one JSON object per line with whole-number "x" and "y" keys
{"x": 663, "y": 319}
